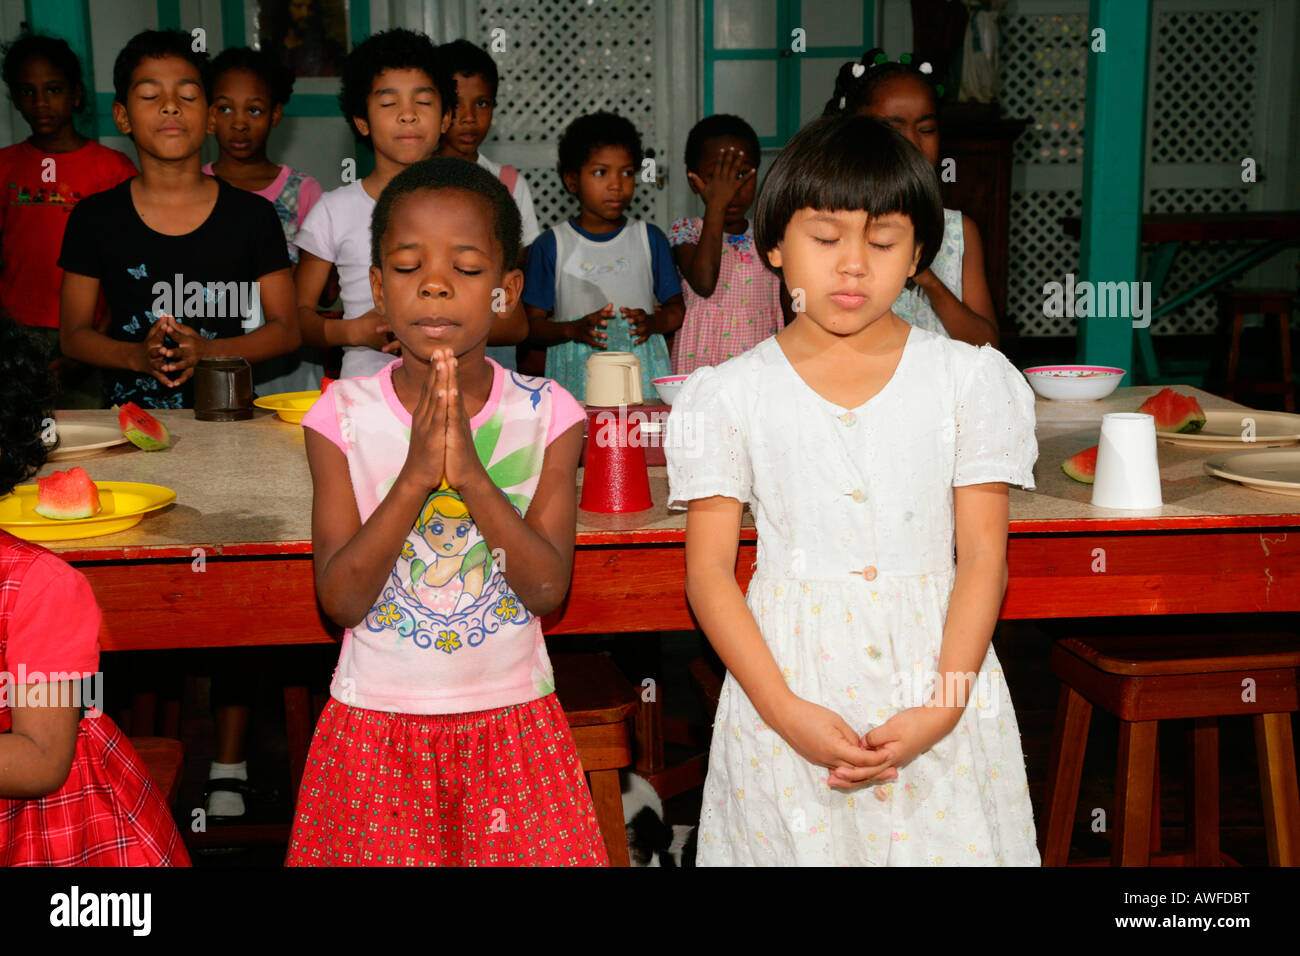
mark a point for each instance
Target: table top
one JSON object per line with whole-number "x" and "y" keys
{"x": 243, "y": 488}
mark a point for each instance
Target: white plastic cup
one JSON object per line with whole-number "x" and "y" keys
{"x": 1128, "y": 468}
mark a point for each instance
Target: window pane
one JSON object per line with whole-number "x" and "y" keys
{"x": 816, "y": 84}
{"x": 744, "y": 24}
{"x": 747, "y": 88}
{"x": 832, "y": 22}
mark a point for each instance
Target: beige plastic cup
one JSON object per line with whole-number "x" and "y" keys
{"x": 1128, "y": 467}
{"x": 613, "y": 378}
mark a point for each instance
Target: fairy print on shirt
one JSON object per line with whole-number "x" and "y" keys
{"x": 446, "y": 591}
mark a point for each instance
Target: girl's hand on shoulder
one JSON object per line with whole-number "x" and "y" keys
{"x": 373, "y": 331}
{"x": 912, "y": 732}
{"x": 426, "y": 457}
{"x": 463, "y": 466}
{"x": 190, "y": 347}
{"x": 824, "y": 738}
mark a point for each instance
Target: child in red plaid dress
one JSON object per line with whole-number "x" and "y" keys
{"x": 72, "y": 790}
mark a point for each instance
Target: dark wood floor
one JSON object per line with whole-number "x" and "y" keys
{"x": 1022, "y": 648}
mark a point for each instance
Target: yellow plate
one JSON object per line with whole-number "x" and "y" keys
{"x": 122, "y": 505}
{"x": 290, "y": 406}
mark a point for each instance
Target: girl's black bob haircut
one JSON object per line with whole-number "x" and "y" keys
{"x": 446, "y": 172}
{"x": 27, "y": 395}
{"x": 850, "y": 162}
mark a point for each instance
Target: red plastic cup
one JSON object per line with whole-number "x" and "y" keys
{"x": 615, "y": 480}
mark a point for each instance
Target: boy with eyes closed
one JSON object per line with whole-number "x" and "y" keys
{"x": 169, "y": 221}
{"x": 398, "y": 98}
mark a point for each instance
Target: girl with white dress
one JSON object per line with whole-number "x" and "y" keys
{"x": 864, "y": 719}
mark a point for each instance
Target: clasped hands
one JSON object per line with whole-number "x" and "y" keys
{"x": 442, "y": 444}
{"x": 824, "y": 738}
{"x": 587, "y": 329}
{"x": 160, "y": 360}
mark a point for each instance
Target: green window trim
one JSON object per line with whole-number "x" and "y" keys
{"x": 789, "y": 15}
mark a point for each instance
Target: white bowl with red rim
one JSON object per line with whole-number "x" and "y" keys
{"x": 1074, "y": 383}
{"x": 668, "y": 386}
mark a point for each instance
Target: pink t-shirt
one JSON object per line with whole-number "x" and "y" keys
{"x": 293, "y": 194}
{"x": 446, "y": 634}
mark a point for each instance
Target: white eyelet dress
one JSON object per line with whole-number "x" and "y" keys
{"x": 854, "y": 512}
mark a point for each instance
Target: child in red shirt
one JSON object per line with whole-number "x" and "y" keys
{"x": 73, "y": 792}
{"x": 41, "y": 179}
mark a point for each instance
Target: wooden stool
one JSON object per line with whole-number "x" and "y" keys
{"x": 1143, "y": 681}
{"x": 1234, "y": 307}
{"x": 598, "y": 702}
{"x": 164, "y": 758}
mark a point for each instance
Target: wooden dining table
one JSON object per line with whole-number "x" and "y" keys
{"x": 229, "y": 564}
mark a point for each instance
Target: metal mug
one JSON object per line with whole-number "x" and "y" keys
{"x": 223, "y": 389}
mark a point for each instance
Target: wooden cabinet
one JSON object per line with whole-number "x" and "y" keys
{"x": 980, "y": 141}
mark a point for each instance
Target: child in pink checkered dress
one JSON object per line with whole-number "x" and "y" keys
{"x": 732, "y": 302}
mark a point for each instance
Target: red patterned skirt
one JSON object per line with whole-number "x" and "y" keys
{"x": 107, "y": 813}
{"x": 496, "y": 787}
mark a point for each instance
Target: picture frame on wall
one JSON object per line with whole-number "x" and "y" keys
{"x": 310, "y": 37}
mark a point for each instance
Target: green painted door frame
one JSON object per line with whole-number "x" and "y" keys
{"x": 1113, "y": 163}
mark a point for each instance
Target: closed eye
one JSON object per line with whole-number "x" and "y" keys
{"x": 884, "y": 248}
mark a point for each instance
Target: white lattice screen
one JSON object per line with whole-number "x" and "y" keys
{"x": 1202, "y": 109}
{"x": 570, "y": 58}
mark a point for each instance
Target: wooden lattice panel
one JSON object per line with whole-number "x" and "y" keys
{"x": 566, "y": 58}
{"x": 1204, "y": 90}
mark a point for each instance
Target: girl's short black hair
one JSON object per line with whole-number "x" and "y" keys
{"x": 396, "y": 49}
{"x": 53, "y": 49}
{"x": 714, "y": 127}
{"x": 26, "y": 404}
{"x": 446, "y": 172}
{"x": 850, "y": 163}
{"x": 852, "y": 93}
{"x": 267, "y": 68}
{"x": 154, "y": 45}
{"x": 588, "y": 133}
{"x": 461, "y": 56}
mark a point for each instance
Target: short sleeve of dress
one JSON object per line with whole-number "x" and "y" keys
{"x": 685, "y": 232}
{"x": 705, "y": 444}
{"x": 54, "y": 627}
{"x": 995, "y": 424}
{"x": 323, "y": 419}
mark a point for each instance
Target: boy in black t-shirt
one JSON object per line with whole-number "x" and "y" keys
{"x": 184, "y": 259}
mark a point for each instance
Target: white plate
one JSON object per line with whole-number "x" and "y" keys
{"x": 1225, "y": 429}
{"x": 1277, "y": 472}
{"x": 84, "y": 439}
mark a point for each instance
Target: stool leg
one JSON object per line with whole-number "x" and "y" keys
{"x": 607, "y": 795}
{"x": 1277, "y": 780}
{"x": 1203, "y": 792}
{"x": 1135, "y": 771}
{"x": 297, "y": 731}
{"x": 1288, "y": 375}
{"x": 1155, "y": 807}
{"x": 1234, "y": 353}
{"x": 1069, "y": 738}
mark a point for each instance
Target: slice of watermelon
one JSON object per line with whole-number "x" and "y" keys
{"x": 1083, "y": 466}
{"x": 142, "y": 429}
{"x": 66, "y": 495}
{"x": 1174, "y": 412}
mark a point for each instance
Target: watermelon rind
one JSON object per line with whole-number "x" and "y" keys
{"x": 1082, "y": 466}
{"x": 142, "y": 429}
{"x": 54, "y": 492}
{"x": 1174, "y": 412}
